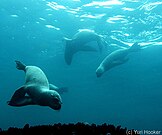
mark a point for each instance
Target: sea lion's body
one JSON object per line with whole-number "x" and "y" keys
{"x": 115, "y": 58}
{"x": 36, "y": 89}
{"x": 79, "y": 43}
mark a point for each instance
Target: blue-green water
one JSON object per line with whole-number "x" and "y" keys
{"x": 129, "y": 95}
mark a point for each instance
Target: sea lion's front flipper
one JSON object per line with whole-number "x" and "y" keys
{"x": 19, "y": 98}
{"x": 21, "y": 102}
{"x": 121, "y": 61}
{"x": 60, "y": 90}
{"x": 53, "y": 87}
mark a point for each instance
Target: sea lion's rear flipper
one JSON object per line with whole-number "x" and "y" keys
{"x": 60, "y": 90}
{"x": 135, "y": 47}
{"x": 69, "y": 51}
{"x": 20, "y": 65}
{"x": 68, "y": 55}
{"x": 100, "y": 45}
{"x": 19, "y": 98}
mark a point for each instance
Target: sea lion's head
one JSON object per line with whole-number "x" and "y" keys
{"x": 55, "y": 100}
{"x": 52, "y": 99}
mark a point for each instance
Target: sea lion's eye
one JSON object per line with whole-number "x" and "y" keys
{"x": 52, "y": 95}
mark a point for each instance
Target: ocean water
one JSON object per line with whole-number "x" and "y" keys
{"x": 129, "y": 95}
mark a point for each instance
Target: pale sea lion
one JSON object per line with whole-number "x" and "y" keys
{"x": 115, "y": 58}
{"x": 36, "y": 89}
{"x": 79, "y": 43}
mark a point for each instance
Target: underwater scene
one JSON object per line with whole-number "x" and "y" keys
{"x": 102, "y": 60}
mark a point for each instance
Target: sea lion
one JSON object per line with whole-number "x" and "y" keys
{"x": 36, "y": 89}
{"x": 79, "y": 43}
{"x": 115, "y": 58}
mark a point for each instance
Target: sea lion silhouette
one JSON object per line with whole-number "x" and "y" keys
{"x": 115, "y": 58}
{"x": 36, "y": 90}
{"x": 79, "y": 43}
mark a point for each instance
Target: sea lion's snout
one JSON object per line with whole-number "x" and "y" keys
{"x": 56, "y": 103}
{"x": 57, "y": 107}
{"x": 98, "y": 75}
{"x": 99, "y": 72}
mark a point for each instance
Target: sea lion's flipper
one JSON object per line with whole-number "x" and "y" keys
{"x": 19, "y": 93}
{"x": 69, "y": 51}
{"x": 121, "y": 61}
{"x": 100, "y": 45}
{"x": 68, "y": 55}
{"x": 53, "y": 87}
{"x": 135, "y": 47}
{"x": 20, "y": 65}
{"x": 60, "y": 90}
{"x": 21, "y": 102}
{"x": 88, "y": 48}
{"x": 19, "y": 98}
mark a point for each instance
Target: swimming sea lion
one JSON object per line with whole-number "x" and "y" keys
{"x": 79, "y": 43}
{"x": 115, "y": 58}
{"x": 36, "y": 90}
